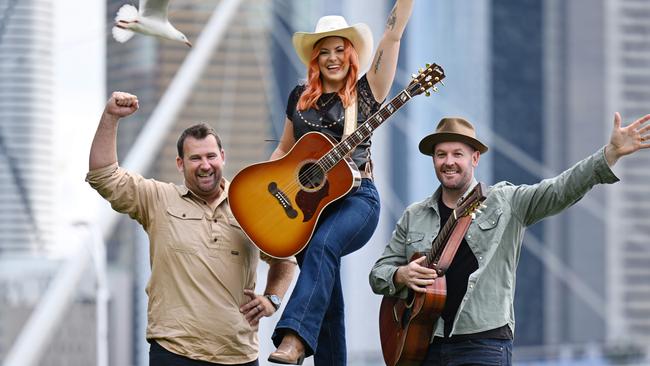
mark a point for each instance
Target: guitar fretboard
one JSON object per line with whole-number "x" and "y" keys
{"x": 440, "y": 240}
{"x": 363, "y": 132}
{"x": 467, "y": 206}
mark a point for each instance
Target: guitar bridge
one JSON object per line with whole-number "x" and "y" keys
{"x": 283, "y": 200}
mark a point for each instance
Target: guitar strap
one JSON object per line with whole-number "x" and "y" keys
{"x": 350, "y": 123}
{"x": 456, "y": 236}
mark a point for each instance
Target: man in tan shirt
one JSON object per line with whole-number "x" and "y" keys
{"x": 202, "y": 306}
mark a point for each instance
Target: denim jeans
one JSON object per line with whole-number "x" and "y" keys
{"x": 315, "y": 309}
{"x": 470, "y": 352}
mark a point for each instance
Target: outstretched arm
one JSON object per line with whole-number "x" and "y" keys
{"x": 627, "y": 140}
{"x": 103, "y": 151}
{"x": 383, "y": 67}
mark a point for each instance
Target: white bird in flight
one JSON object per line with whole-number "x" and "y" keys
{"x": 150, "y": 20}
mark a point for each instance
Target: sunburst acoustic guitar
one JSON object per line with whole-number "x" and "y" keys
{"x": 278, "y": 203}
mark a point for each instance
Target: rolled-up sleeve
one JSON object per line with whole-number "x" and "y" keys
{"x": 127, "y": 192}
{"x": 271, "y": 260}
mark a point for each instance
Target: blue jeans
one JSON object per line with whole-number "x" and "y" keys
{"x": 315, "y": 309}
{"x": 470, "y": 352}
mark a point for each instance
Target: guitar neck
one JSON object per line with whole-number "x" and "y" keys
{"x": 363, "y": 132}
{"x": 468, "y": 205}
{"x": 439, "y": 242}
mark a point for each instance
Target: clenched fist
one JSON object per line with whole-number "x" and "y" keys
{"x": 121, "y": 104}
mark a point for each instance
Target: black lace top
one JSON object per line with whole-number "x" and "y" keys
{"x": 329, "y": 119}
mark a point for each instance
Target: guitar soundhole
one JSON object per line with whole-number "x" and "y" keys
{"x": 311, "y": 176}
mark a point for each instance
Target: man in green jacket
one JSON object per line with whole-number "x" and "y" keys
{"x": 476, "y": 325}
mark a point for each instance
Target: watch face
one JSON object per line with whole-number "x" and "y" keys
{"x": 275, "y": 300}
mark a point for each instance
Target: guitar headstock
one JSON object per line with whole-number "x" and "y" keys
{"x": 426, "y": 79}
{"x": 472, "y": 202}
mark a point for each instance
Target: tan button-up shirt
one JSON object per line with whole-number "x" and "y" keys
{"x": 201, "y": 262}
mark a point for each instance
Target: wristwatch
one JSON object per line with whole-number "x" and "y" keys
{"x": 275, "y": 300}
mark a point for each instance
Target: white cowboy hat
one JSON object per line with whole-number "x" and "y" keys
{"x": 335, "y": 25}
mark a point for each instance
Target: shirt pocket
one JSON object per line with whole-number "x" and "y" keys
{"x": 414, "y": 237}
{"x": 490, "y": 220}
{"x": 185, "y": 229}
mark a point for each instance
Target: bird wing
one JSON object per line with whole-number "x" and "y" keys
{"x": 154, "y": 8}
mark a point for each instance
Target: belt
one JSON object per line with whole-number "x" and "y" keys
{"x": 366, "y": 170}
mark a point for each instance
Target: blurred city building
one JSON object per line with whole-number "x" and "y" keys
{"x": 628, "y": 91}
{"x": 540, "y": 79}
{"x": 521, "y": 72}
{"x": 27, "y": 176}
{"x": 22, "y": 284}
{"x": 28, "y": 183}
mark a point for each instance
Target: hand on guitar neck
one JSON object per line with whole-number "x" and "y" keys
{"x": 414, "y": 275}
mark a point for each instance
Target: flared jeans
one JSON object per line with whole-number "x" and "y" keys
{"x": 315, "y": 309}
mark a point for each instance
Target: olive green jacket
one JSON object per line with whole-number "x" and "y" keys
{"x": 495, "y": 238}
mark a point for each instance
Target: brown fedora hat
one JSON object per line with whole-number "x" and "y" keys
{"x": 452, "y": 129}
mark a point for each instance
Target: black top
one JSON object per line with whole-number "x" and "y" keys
{"x": 329, "y": 118}
{"x": 463, "y": 264}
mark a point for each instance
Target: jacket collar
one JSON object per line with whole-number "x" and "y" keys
{"x": 433, "y": 200}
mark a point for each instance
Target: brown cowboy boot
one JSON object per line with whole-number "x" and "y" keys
{"x": 290, "y": 352}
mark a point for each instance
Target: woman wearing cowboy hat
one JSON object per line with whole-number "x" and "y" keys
{"x": 335, "y": 54}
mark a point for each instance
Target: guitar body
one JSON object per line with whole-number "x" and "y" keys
{"x": 406, "y": 326}
{"x": 278, "y": 203}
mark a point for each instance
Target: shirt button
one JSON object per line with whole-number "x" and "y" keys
{"x": 215, "y": 220}
{"x": 471, "y": 286}
{"x": 183, "y": 215}
{"x": 469, "y": 236}
{"x": 215, "y": 239}
{"x": 480, "y": 258}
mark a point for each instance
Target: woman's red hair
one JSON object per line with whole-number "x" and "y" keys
{"x": 314, "y": 86}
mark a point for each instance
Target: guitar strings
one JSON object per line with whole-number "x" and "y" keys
{"x": 290, "y": 186}
{"x": 293, "y": 186}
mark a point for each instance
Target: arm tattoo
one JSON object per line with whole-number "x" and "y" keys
{"x": 379, "y": 55}
{"x": 392, "y": 18}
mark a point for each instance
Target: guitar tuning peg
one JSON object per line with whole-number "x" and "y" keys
{"x": 435, "y": 89}
{"x": 441, "y": 83}
{"x": 427, "y": 65}
{"x": 420, "y": 70}
{"x": 414, "y": 76}
{"x": 427, "y": 93}
{"x": 473, "y": 215}
{"x": 482, "y": 206}
{"x": 479, "y": 211}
